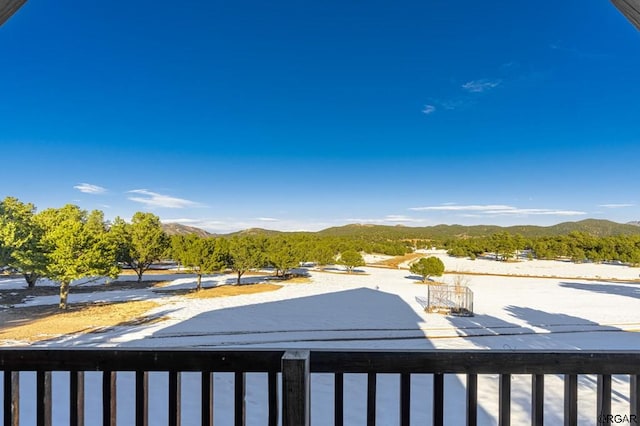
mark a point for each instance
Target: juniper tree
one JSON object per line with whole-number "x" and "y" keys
{"x": 20, "y": 240}
{"x": 323, "y": 255}
{"x": 74, "y": 248}
{"x": 350, "y": 259}
{"x": 140, "y": 243}
{"x": 427, "y": 267}
{"x": 245, "y": 253}
{"x": 282, "y": 255}
{"x": 201, "y": 255}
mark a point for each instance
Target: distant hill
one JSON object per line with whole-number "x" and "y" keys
{"x": 596, "y": 227}
{"x": 634, "y": 222}
{"x": 179, "y": 229}
{"x": 255, "y": 231}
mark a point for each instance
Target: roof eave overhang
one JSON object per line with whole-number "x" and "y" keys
{"x": 630, "y": 9}
{"x": 8, "y": 8}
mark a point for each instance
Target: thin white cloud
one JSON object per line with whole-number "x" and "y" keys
{"x": 362, "y": 220}
{"x": 183, "y": 221}
{"x": 498, "y": 210}
{"x": 551, "y": 212}
{"x": 153, "y": 199}
{"x": 429, "y": 109}
{"x": 453, "y": 103}
{"x": 268, "y": 219}
{"x": 456, "y": 207}
{"x": 570, "y": 50}
{"x": 88, "y": 188}
{"x": 507, "y": 66}
{"x": 615, "y": 206}
{"x": 479, "y": 86}
{"x": 457, "y": 103}
{"x": 392, "y": 218}
{"x": 402, "y": 219}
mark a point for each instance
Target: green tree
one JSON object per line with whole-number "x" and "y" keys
{"x": 245, "y": 253}
{"x": 140, "y": 243}
{"x": 634, "y": 256}
{"x": 457, "y": 251}
{"x": 427, "y": 267}
{"x": 503, "y": 244}
{"x": 201, "y": 255}
{"x": 351, "y": 259}
{"x": 542, "y": 249}
{"x": 74, "y": 249}
{"x": 282, "y": 255}
{"x": 20, "y": 236}
{"x": 323, "y": 255}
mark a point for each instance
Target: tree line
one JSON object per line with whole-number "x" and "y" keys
{"x": 576, "y": 246}
{"x": 66, "y": 244}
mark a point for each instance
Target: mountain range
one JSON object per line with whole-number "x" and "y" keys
{"x": 595, "y": 227}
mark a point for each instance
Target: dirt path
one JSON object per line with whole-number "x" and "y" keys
{"x": 396, "y": 261}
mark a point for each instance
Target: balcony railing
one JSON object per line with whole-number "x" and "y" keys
{"x": 289, "y": 374}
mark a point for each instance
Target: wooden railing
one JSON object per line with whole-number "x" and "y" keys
{"x": 289, "y": 376}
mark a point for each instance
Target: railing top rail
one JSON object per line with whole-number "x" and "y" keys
{"x": 478, "y": 361}
{"x": 328, "y": 361}
{"x": 145, "y": 359}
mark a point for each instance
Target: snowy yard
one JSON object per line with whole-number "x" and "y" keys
{"x": 375, "y": 310}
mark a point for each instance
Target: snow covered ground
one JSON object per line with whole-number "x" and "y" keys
{"x": 376, "y": 309}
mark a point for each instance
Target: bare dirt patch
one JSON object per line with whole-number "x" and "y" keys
{"x": 232, "y": 290}
{"x": 38, "y": 323}
{"x": 304, "y": 278}
{"x": 395, "y": 262}
{"x": 255, "y": 273}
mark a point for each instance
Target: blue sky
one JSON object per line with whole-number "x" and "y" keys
{"x": 303, "y": 115}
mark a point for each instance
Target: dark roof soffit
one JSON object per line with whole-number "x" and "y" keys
{"x": 8, "y": 8}
{"x": 630, "y": 9}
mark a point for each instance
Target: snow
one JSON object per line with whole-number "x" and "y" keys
{"x": 574, "y": 308}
